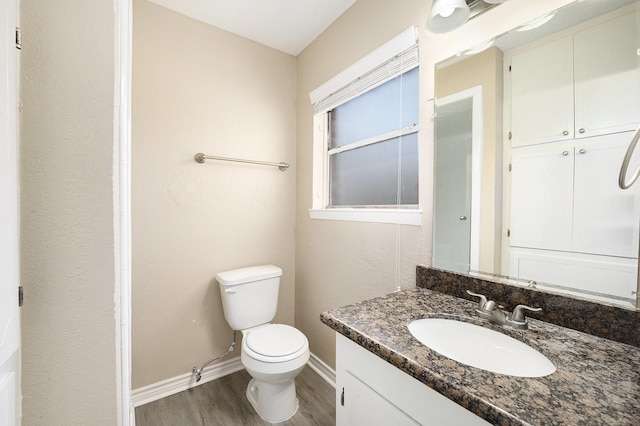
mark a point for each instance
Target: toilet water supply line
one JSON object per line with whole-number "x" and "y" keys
{"x": 198, "y": 373}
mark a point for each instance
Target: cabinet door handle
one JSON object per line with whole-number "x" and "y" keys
{"x": 565, "y": 153}
{"x": 582, "y": 151}
{"x": 462, "y": 218}
{"x": 565, "y": 133}
{"x": 581, "y": 130}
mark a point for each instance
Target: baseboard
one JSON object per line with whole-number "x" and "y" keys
{"x": 168, "y": 387}
{"x": 156, "y": 391}
{"x": 323, "y": 370}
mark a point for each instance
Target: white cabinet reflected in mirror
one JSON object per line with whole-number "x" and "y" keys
{"x": 530, "y": 136}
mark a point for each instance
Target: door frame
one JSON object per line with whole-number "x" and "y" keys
{"x": 10, "y": 341}
{"x": 122, "y": 204}
{"x": 477, "y": 124}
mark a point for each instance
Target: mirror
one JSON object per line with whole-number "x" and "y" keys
{"x": 530, "y": 132}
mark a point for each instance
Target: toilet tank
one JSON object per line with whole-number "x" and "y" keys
{"x": 249, "y": 295}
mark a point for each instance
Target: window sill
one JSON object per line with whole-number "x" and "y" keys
{"x": 395, "y": 216}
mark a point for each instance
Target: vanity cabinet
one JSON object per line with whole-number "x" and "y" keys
{"x": 371, "y": 392}
{"x": 583, "y": 84}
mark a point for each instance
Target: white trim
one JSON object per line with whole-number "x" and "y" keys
{"x": 320, "y": 163}
{"x": 395, "y": 216}
{"x": 477, "y": 142}
{"x": 393, "y": 47}
{"x": 323, "y": 370}
{"x": 168, "y": 387}
{"x": 122, "y": 207}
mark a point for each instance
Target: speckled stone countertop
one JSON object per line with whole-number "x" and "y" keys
{"x": 597, "y": 381}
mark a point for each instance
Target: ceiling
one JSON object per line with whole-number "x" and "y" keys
{"x": 285, "y": 25}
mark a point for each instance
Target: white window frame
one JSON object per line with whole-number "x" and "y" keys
{"x": 340, "y": 89}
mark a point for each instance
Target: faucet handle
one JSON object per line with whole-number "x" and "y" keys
{"x": 518, "y": 314}
{"x": 491, "y": 306}
{"x": 483, "y": 299}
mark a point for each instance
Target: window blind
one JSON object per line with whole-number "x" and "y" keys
{"x": 393, "y": 58}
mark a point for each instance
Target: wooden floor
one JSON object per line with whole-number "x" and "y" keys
{"x": 223, "y": 402}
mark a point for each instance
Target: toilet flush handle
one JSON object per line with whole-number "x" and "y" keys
{"x": 229, "y": 291}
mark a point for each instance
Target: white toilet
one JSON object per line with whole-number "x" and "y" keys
{"x": 273, "y": 354}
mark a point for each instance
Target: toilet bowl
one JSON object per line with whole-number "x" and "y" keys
{"x": 273, "y": 354}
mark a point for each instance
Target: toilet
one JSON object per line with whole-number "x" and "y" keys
{"x": 273, "y": 354}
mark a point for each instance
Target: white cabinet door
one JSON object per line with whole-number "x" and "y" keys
{"x": 542, "y": 196}
{"x": 366, "y": 407}
{"x": 542, "y": 93}
{"x": 607, "y": 77}
{"x": 606, "y": 218}
{"x": 372, "y": 392}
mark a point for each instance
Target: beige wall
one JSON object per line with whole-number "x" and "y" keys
{"x": 197, "y": 88}
{"x": 69, "y": 351}
{"x": 342, "y": 262}
{"x": 484, "y": 69}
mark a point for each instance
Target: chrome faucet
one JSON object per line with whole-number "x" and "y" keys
{"x": 490, "y": 310}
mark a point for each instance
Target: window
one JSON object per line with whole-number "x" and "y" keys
{"x": 366, "y": 138}
{"x": 373, "y": 147}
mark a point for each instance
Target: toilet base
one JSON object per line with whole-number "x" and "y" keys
{"x": 274, "y": 402}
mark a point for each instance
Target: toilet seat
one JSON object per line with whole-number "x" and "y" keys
{"x": 275, "y": 343}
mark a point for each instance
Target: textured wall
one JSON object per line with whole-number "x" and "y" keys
{"x": 197, "y": 88}
{"x": 341, "y": 262}
{"x": 67, "y": 230}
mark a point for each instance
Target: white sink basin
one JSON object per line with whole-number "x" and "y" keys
{"x": 481, "y": 347}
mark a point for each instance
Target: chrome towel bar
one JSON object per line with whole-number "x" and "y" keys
{"x": 200, "y": 158}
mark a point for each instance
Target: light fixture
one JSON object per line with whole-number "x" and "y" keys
{"x": 447, "y": 15}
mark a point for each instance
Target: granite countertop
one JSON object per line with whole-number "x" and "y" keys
{"x": 597, "y": 380}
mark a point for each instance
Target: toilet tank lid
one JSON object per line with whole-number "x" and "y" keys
{"x": 245, "y": 275}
